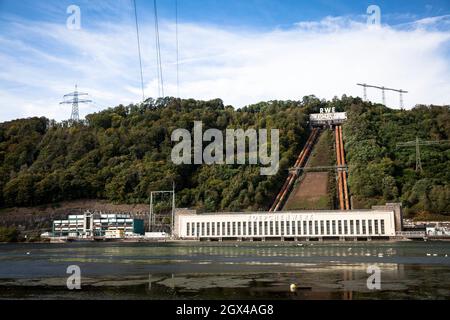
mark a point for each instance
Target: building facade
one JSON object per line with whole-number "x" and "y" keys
{"x": 91, "y": 225}
{"x": 288, "y": 224}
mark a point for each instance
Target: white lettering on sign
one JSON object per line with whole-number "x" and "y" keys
{"x": 328, "y": 110}
{"x": 337, "y": 116}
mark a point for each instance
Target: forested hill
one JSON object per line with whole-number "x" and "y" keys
{"x": 123, "y": 153}
{"x": 380, "y": 171}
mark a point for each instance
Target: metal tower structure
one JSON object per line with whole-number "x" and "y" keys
{"x": 383, "y": 92}
{"x": 152, "y": 222}
{"x": 75, "y": 101}
{"x": 365, "y": 90}
{"x": 417, "y": 143}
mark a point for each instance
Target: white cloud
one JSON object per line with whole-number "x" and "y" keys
{"x": 325, "y": 58}
{"x": 431, "y": 21}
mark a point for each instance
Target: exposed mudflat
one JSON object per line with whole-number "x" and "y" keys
{"x": 226, "y": 271}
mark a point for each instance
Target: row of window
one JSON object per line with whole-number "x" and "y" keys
{"x": 103, "y": 224}
{"x": 285, "y": 228}
{"x": 95, "y": 228}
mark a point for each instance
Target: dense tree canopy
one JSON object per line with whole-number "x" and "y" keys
{"x": 380, "y": 171}
{"x": 122, "y": 153}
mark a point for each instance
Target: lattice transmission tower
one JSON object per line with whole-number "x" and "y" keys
{"x": 383, "y": 92}
{"x": 417, "y": 143}
{"x": 74, "y": 100}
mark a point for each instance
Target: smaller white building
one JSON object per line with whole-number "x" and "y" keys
{"x": 438, "y": 231}
{"x": 98, "y": 225}
{"x": 114, "y": 234}
{"x": 156, "y": 235}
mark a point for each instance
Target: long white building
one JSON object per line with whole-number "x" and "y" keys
{"x": 381, "y": 222}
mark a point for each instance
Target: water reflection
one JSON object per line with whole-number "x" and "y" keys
{"x": 230, "y": 270}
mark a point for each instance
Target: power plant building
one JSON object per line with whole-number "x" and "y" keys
{"x": 380, "y": 222}
{"x": 90, "y": 225}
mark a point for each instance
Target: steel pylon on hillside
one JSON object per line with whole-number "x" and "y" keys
{"x": 75, "y": 101}
{"x": 417, "y": 143}
{"x": 383, "y": 92}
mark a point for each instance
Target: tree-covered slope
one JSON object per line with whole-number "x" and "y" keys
{"x": 123, "y": 153}
{"x": 380, "y": 171}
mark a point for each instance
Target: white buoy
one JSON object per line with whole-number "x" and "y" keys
{"x": 28, "y": 252}
{"x": 293, "y": 287}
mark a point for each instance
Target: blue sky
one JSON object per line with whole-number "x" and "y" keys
{"x": 240, "y": 51}
{"x": 250, "y": 13}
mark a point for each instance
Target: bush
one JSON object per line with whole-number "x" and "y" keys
{"x": 9, "y": 234}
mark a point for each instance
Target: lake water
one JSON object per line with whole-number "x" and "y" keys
{"x": 257, "y": 270}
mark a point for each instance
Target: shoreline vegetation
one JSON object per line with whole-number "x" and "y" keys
{"x": 10, "y": 234}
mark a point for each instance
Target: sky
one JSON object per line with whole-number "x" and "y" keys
{"x": 241, "y": 51}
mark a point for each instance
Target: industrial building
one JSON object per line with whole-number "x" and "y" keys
{"x": 90, "y": 225}
{"x": 380, "y": 222}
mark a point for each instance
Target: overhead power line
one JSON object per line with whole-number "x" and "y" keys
{"x": 177, "y": 48}
{"x": 139, "y": 49}
{"x": 158, "y": 53}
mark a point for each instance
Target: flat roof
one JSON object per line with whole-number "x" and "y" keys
{"x": 290, "y": 212}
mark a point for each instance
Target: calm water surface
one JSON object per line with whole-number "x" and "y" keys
{"x": 259, "y": 270}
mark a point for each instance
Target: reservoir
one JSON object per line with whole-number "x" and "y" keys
{"x": 228, "y": 270}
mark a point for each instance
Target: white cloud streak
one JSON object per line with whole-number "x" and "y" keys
{"x": 326, "y": 58}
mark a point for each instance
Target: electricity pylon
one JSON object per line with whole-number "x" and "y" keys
{"x": 383, "y": 92}
{"x": 75, "y": 101}
{"x": 417, "y": 143}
